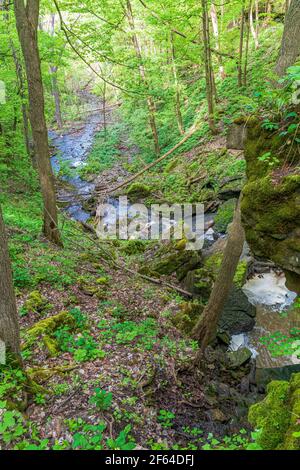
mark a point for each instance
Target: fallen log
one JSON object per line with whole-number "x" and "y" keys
{"x": 191, "y": 132}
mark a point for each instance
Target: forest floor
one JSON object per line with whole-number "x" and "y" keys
{"x": 123, "y": 363}
{"x": 125, "y": 344}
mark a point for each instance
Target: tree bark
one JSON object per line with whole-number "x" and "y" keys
{"x": 55, "y": 89}
{"x": 247, "y": 49}
{"x": 5, "y": 6}
{"x": 56, "y": 96}
{"x": 9, "y": 326}
{"x": 104, "y": 110}
{"x": 290, "y": 45}
{"x": 150, "y": 101}
{"x": 208, "y": 67}
{"x": 240, "y": 64}
{"x": 254, "y": 30}
{"x": 27, "y": 24}
{"x": 206, "y": 329}
{"x": 215, "y": 27}
{"x": 177, "y": 92}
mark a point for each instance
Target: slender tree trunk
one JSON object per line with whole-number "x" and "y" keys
{"x": 9, "y": 326}
{"x": 4, "y": 5}
{"x": 290, "y": 45}
{"x": 56, "y": 96}
{"x": 206, "y": 329}
{"x": 104, "y": 109}
{"x": 215, "y": 27}
{"x": 247, "y": 50}
{"x": 208, "y": 67}
{"x": 177, "y": 92}
{"x": 55, "y": 88}
{"x": 27, "y": 23}
{"x": 253, "y": 28}
{"x": 240, "y": 64}
{"x": 150, "y": 101}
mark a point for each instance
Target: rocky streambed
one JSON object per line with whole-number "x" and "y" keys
{"x": 259, "y": 304}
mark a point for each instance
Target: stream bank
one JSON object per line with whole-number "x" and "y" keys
{"x": 265, "y": 292}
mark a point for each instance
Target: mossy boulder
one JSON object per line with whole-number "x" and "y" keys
{"x": 172, "y": 258}
{"x": 44, "y": 330}
{"x": 238, "y": 358}
{"x": 88, "y": 287}
{"x": 230, "y": 190}
{"x": 237, "y": 135}
{"x": 199, "y": 282}
{"x": 271, "y": 199}
{"x": 277, "y": 416}
{"x": 35, "y": 303}
{"x": 138, "y": 191}
{"x": 213, "y": 264}
{"x": 271, "y": 217}
{"x": 238, "y": 314}
{"x": 188, "y": 315}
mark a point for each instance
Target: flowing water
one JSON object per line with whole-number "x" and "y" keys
{"x": 267, "y": 291}
{"x": 274, "y": 317}
{"x": 72, "y": 149}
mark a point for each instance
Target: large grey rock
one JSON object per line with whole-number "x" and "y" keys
{"x": 236, "y": 136}
{"x": 238, "y": 358}
{"x": 238, "y": 314}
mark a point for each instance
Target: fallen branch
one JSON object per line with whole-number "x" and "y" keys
{"x": 160, "y": 159}
{"x": 159, "y": 282}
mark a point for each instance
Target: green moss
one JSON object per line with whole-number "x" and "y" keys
{"x": 187, "y": 317}
{"x": 225, "y": 215}
{"x": 138, "y": 191}
{"x": 49, "y": 325}
{"x": 51, "y": 345}
{"x": 171, "y": 258}
{"x": 171, "y": 165}
{"x": 241, "y": 274}
{"x": 272, "y": 416}
{"x": 35, "y": 303}
{"x": 213, "y": 264}
{"x": 133, "y": 247}
{"x": 271, "y": 215}
{"x": 277, "y": 416}
{"x": 271, "y": 202}
{"x": 102, "y": 281}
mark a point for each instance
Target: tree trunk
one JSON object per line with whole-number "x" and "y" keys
{"x": 27, "y": 24}
{"x": 55, "y": 89}
{"x": 247, "y": 48}
{"x": 208, "y": 67}
{"x": 177, "y": 97}
{"x": 206, "y": 329}
{"x": 150, "y": 101}
{"x": 4, "y": 5}
{"x": 215, "y": 27}
{"x": 56, "y": 96}
{"x": 104, "y": 110}
{"x": 9, "y": 326}
{"x": 240, "y": 64}
{"x": 253, "y": 28}
{"x": 290, "y": 45}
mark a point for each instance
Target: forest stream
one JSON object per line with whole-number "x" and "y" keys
{"x": 266, "y": 291}
{"x": 150, "y": 228}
